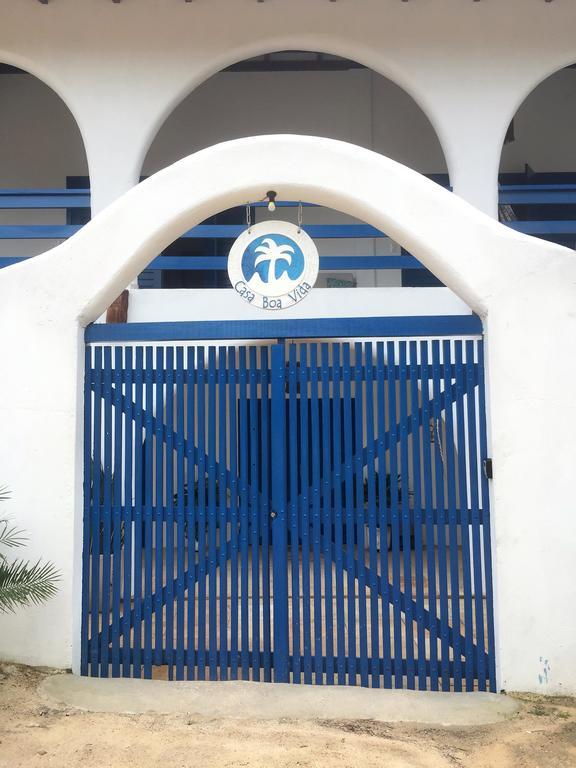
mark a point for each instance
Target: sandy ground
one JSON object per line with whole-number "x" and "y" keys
{"x": 31, "y": 734}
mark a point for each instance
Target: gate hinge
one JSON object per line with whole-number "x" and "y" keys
{"x": 487, "y": 464}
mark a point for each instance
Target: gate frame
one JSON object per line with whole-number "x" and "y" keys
{"x": 276, "y": 332}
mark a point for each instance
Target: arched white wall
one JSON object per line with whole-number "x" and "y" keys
{"x": 524, "y": 288}
{"x": 545, "y": 125}
{"x": 40, "y": 145}
{"x": 355, "y": 105}
{"x": 122, "y": 67}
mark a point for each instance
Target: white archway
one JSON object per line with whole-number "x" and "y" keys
{"x": 432, "y": 223}
{"x": 352, "y": 102}
{"x": 544, "y": 123}
{"x": 524, "y": 288}
{"x": 42, "y": 148}
{"x": 371, "y": 58}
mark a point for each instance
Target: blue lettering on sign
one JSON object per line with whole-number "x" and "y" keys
{"x": 244, "y": 291}
{"x": 271, "y": 256}
{"x": 300, "y": 292}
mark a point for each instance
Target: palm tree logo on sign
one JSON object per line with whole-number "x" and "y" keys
{"x": 273, "y": 265}
{"x": 271, "y": 252}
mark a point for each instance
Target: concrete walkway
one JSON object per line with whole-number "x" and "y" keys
{"x": 273, "y": 701}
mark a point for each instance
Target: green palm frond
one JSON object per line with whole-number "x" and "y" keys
{"x": 10, "y": 536}
{"x": 25, "y": 584}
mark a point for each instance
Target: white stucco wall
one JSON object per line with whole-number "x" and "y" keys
{"x": 502, "y": 275}
{"x": 41, "y": 144}
{"x": 545, "y": 126}
{"x": 121, "y": 69}
{"x": 174, "y": 305}
{"x": 468, "y": 65}
{"x": 355, "y": 105}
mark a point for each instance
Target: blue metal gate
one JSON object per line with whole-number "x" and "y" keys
{"x": 307, "y": 512}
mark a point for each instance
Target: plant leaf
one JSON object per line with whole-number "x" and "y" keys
{"x": 10, "y": 536}
{"x": 25, "y": 584}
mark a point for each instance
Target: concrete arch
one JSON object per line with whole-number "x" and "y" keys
{"x": 453, "y": 239}
{"x": 522, "y": 96}
{"x": 32, "y": 67}
{"x": 523, "y": 93}
{"x": 337, "y": 46}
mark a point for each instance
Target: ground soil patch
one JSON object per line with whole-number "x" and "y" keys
{"x": 542, "y": 735}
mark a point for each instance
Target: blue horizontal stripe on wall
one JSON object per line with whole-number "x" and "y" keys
{"x": 44, "y": 198}
{"x": 543, "y": 227}
{"x": 326, "y": 327}
{"x": 228, "y": 231}
{"x": 326, "y": 262}
{"x": 38, "y": 231}
{"x": 7, "y": 261}
{"x": 320, "y": 231}
{"x": 212, "y": 231}
{"x": 220, "y": 263}
{"x": 538, "y": 194}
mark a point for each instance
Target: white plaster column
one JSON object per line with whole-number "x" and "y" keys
{"x": 114, "y": 160}
{"x": 116, "y": 140}
{"x": 531, "y": 335}
{"x": 472, "y": 131}
{"x": 40, "y": 458}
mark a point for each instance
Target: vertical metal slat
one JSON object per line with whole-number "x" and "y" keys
{"x": 280, "y": 524}
{"x": 383, "y": 514}
{"x": 117, "y": 486}
{"x": 243, "y": 449}
{"x": 337, "y": 487}
{"x": 293, "y": 508}
{"x": 394, "y": 514}
{"x": 138, "y": 507}
{"x": 212, "y": 513}
{"x": 348, "y": 427}
{"x": 87, "y": 531}
{"x": 169, "y": 516}
{"x": 191, "y": 514}
{"x": 417, "y": 424}
{"x": 327, "y": 516}
{"x": 106, "y": 516}
{"x": 96, "y": 502}
{"x": 304, "y": 514}
{"x": 223, "y": 512}
{"x": 180, "y": 445}
{"x": 372, "y": 514}
{"x": 452, "y": 519}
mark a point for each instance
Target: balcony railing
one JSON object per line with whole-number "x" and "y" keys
{"x": 542, "y": 210}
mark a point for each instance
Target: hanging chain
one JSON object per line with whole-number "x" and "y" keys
{"x": 300, "y": 216}
{"x": 248, "y": 216}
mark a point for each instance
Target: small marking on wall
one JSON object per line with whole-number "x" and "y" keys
{"x": 543, "y": 678}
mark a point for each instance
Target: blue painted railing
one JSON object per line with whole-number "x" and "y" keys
{"x": 541, "y": 210}
{"x": 346, "y": 327}
{"x": 535, "y": 209}
{"x": 34, "y": 199}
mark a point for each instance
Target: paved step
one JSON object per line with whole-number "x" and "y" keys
{"x": 272, "y": 701}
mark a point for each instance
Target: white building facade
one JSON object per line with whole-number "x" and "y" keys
{"x": 477, "y": 96}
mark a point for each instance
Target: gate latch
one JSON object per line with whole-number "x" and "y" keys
{"x": 487, "y": 464}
